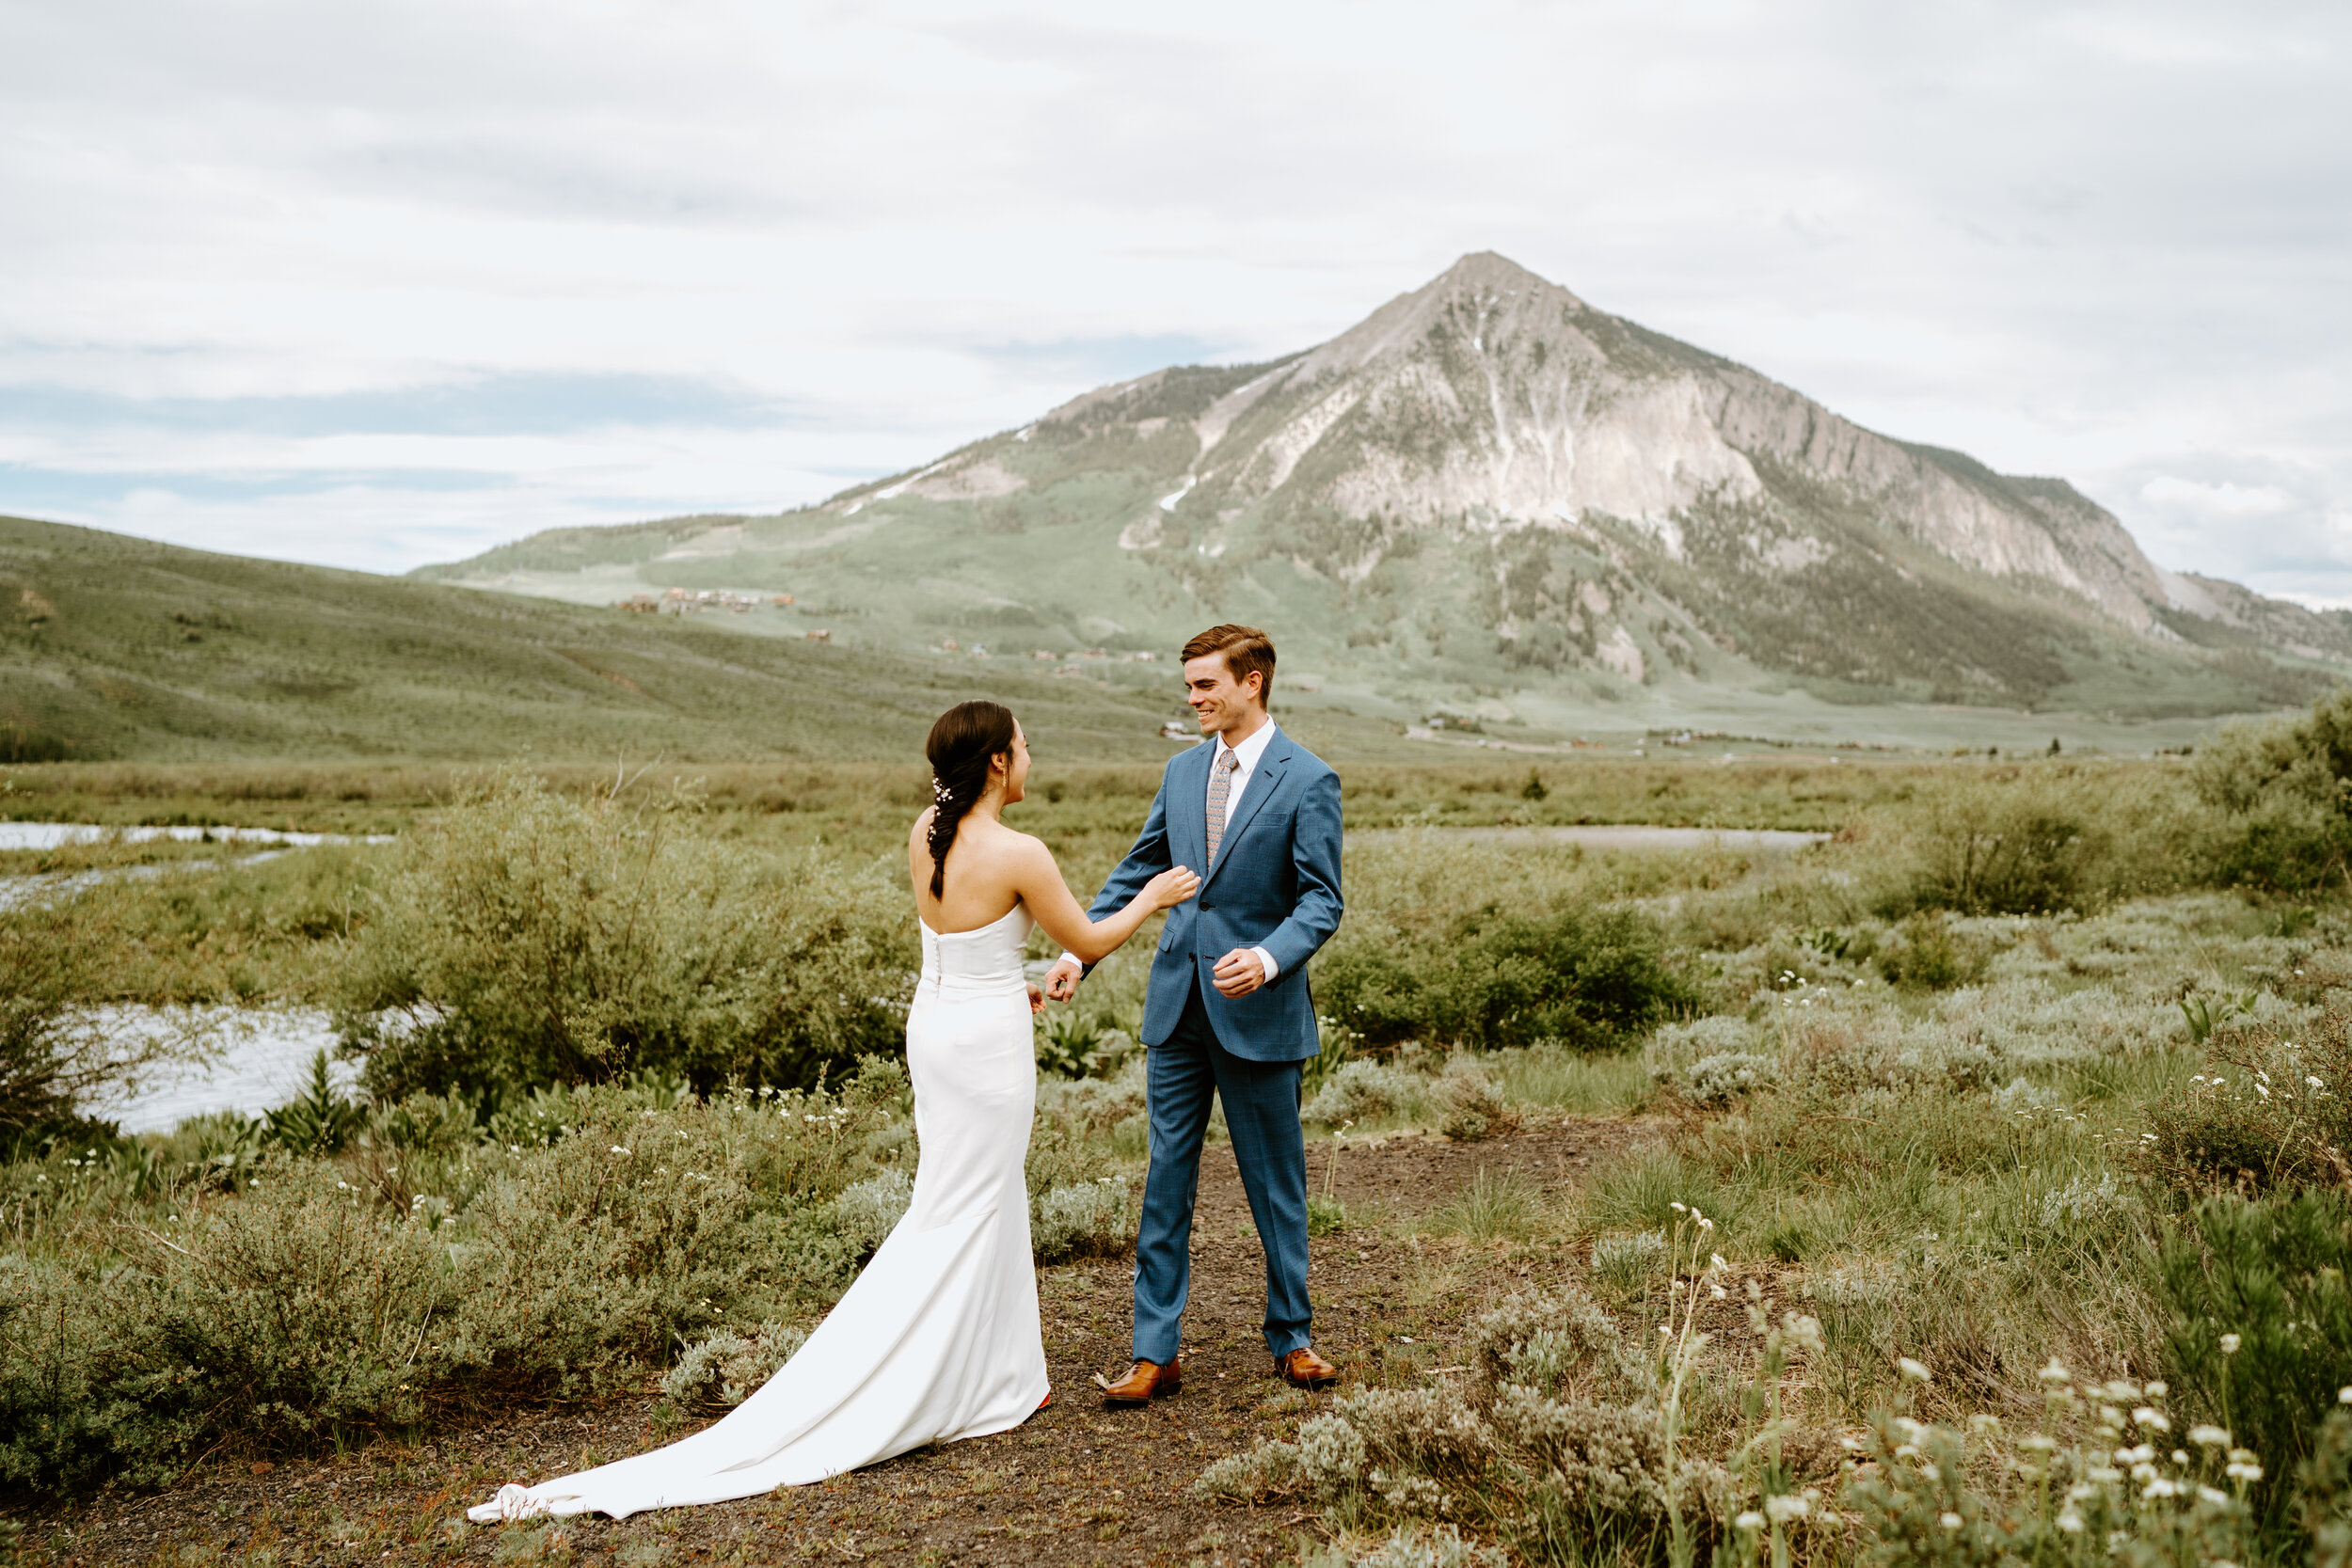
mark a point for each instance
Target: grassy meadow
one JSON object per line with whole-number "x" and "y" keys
{"x": 1970, "y": 1187}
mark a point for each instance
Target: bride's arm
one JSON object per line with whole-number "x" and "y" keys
{"x": 1038, "y": 880}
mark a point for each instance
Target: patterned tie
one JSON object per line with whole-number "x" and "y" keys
{"x": 1220, "y": 790}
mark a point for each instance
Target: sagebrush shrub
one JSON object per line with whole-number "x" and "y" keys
{"x": 866, "y": 1212}
{"x": 728, "y": 1368}
{"x": 1083, "y": 1219}
{"x": 1561, "y": 1345}
{"x": 526, "y": 938}
{"x": 1364, "y": 1090}
{"x": 1270, "y": 1469}
{"x": 1469, "y": 1108}
{"x": 1437, "y": 1546}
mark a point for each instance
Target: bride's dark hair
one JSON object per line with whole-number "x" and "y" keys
{"x": 962, "y": 740}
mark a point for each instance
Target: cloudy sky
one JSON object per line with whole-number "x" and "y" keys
{"x": 379, "y": 283}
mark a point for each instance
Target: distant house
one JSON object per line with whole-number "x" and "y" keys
{"x": 1179, "y": 729}
{"x": 950, "y": 646}
{"x": 817, "y": 636}
{"x": 640, "y": 604}
{"x": 1047, "y": 656}
{"x": 781, "y": 601}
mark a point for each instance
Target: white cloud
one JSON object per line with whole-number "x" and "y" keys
{"x": 2093, "y": 239}
{"x": 2224, "y": 500}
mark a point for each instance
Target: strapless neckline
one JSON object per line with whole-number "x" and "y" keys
{"x": 974, "y": 930}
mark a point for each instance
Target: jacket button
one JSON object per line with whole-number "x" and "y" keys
{"x": 1208, "y": 906}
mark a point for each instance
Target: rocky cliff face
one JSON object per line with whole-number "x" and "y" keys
{"x": 1492, "y": 398}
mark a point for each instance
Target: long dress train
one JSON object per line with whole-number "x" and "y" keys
{"x": 938, "y": 1339}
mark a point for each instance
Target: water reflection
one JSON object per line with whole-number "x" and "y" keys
{"x": 256, "y": 1060}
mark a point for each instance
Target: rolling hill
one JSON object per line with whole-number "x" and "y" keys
{"x": 118, "y": 647}
{"x": 1490, "y": 499}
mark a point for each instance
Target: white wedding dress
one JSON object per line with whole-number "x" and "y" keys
{"x": 938, "y": 1339}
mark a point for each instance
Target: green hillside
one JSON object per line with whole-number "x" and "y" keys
{"x": 118, "y": 647}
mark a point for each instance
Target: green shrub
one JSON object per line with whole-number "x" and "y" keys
{"x": 2284, "y": 792}
{"x": 2036, "y": 839}
{"x": 1496, "y": 980}
{"x": 525, "y": 939}
{"x": 2260, "y": 1337}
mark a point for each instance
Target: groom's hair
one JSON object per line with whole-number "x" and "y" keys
{"x": 1246, "y": 649}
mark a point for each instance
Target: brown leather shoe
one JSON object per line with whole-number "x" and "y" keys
{"x": 1145, "y": 1382}
{"x": 1304, "y": 1369}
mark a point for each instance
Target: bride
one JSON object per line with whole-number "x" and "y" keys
{"x": 938, "y": 1339}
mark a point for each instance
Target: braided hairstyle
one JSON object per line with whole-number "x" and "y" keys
{"x": 962, "y": 741}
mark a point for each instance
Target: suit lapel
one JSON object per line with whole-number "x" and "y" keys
{"x": 1262, "y": 782}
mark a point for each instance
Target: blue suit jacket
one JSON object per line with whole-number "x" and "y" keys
{"x": 1276, "y": 885}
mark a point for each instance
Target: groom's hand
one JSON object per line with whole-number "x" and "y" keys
{"x": 1061, "y": 981}
{"x": 1239, "y": 972}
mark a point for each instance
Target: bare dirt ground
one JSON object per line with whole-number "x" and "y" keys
{"x": 1075, "y": 1486}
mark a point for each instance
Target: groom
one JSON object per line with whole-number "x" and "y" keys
{"x": 1228, "y": 1011}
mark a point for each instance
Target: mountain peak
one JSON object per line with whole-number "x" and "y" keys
{"x": 1488, "y": 269}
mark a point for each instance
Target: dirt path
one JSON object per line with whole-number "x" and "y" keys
{"x": 1075, "y": 1486}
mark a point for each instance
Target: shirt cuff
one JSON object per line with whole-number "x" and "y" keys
{"x": 1069, "y": 957}
{"x": 1272, "y": 968}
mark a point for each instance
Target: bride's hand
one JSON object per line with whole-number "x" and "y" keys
{"x": 1171, "y": 887}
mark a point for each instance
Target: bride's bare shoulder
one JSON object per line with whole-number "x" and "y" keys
{"x": 1027, "y": 846}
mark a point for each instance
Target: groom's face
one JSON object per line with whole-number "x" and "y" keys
{"x": 1223, "y": 703}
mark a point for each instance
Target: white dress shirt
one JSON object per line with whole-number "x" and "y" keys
{"x": 1246, "y": 757}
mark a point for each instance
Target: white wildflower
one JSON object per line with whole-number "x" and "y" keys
{"x": 2055, "y": 1372}
{"x": 2209, "y": 1436}
{"x": 2148, "y": 1415}
{"x": 1750, "y": 1520}
{"x": 1913, "y": 1371}
{"x": 1784, "y": 1507}
{"x": 2069, "y": 1521}
{"x": 2230, "y": 1343}
{"x": 1949, "y": 1521}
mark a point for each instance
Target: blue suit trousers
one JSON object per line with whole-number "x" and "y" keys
{"x": 1261, "y": 1101}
